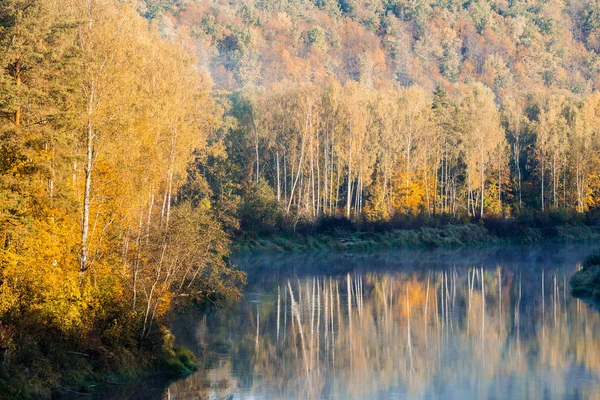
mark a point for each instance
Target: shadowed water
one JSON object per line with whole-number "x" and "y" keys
{"x": 470, "y": 323}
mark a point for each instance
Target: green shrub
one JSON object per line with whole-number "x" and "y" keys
{"x": 591, "y": 260}
{"x": 260, "y": 212}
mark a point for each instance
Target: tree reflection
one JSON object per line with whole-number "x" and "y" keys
{"x": 457, "y": 332}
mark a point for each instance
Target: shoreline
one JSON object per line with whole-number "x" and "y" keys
{"x": 447, "y": 236}
{"x": 71, "y": 374}
{"x": 585, "y": 283}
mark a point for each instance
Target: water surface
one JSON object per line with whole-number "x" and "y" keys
{"x": 486, "y": 323}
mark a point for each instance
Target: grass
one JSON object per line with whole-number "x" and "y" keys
{"x": 585, "y": 284}
{"x": 178, "y": 362}
{"x": 50, "y": 369}
{"x": 454, "y": 235}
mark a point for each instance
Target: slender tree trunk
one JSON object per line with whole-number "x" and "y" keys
{"x": 469, "y": 196}
{"x": 408, "y": 148}
{"x": 256, "y": 150}
{"x": 564, "y": 187}
{"x": 332, "y": 167}
{"x": 150, "y": 207}
{"x": 88, "y": 180}
{"x": 499, "y": 184}
{"x": 442, "y": 183}
{"x": 318, "y": 194}
{"x": 482, "y": 184}
{"x": 554, "y": 180}
{"x": 435, "y": 181}
{"x": 325, "y": 173}
{"x": 295, "y": 182}
{"x": 18, "y": 80}
{"x": 443, "y": 187}
{"x": 301, "y": 193}
{"x": 312, "y": 177}
{"x": 518, "y": 164}
{"x": 579, "y": 189}
{"x": 170, "y": 177}
{"x": 427, "y": 189}
{"x": 337, "y": 187}
{"x": 285, "y": 178}
{"x": 163, "y": 207}
{"x": 542, "y": 176}
{"x": 349, "y": 197}
{"x": 278, "y": 180}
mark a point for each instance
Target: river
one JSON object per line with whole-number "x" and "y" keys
{"x": 471, "y": 323}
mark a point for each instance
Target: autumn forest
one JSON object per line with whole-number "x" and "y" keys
{"x": 139, "y": 139}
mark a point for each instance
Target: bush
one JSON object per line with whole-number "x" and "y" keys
{"x": 502, "y": 227}
{"x": 591, "y": 260}
{"x": 260, "y": 211}
{"x": 586, "y": 283}
{"x": 559, "y": 217}
{"x": 331, "y": 224}
{"x": 592, "y": 217}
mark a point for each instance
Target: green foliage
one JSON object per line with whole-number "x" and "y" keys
{"x": 348, "y": 7}
{"x": 260, "y": 211}
{"x": 591, "y": 18}
{"x": 154, "y": 8}
{"x": 586, "y": 282}
{"x": 316, "y": 36}
{"x": 178, "y": 361}
{"x": 591, "y": 260}
{"x": 332, "y": 234}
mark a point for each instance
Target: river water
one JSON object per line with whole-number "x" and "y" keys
{"x": 477, "y": 323}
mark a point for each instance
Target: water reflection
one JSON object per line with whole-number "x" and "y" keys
{"x": 498, "y": 325}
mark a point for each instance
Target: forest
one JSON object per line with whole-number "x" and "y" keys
{"x": 381, "y": 110}
{"x": 139, "y": 139}
{"x": 100, "y": 236}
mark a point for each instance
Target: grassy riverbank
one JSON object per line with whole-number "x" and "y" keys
{"x": 55, "y": 368}
{"x": 585, "y": 283}
{"x": 442, "y": 236}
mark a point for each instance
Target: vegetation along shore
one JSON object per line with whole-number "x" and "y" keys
{"x": 336, "y": 235}
{"x": 585, "y": 283}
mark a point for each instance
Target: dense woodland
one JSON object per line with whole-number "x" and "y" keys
{"x": 380, "y": 109}
{"x": 138, "y": 138}
{"x": 100, "y": 118}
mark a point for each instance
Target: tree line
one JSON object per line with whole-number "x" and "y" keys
{"x": 355, "y": 151}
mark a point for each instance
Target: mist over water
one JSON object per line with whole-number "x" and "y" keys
{"x": 470, "y": 323}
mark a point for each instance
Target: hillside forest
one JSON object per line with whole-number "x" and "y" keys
{"x": 138, "y": 139}
{"x": 378, "y": 109}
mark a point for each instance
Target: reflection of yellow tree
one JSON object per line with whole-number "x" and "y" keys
{"x": 450, "y": 332}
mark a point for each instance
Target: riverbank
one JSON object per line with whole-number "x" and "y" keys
{"x": 585, "y": 284}
{"x": 444, "y": 236}
{"x": 63, "y": 369}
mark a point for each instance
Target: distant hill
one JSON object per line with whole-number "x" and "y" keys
{"x": 507, "y": 45}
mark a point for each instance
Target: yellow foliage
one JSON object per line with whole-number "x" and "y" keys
{"x": 409, "y": 194}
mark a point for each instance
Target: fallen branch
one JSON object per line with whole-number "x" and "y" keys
{"x": 78, "y": 353}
